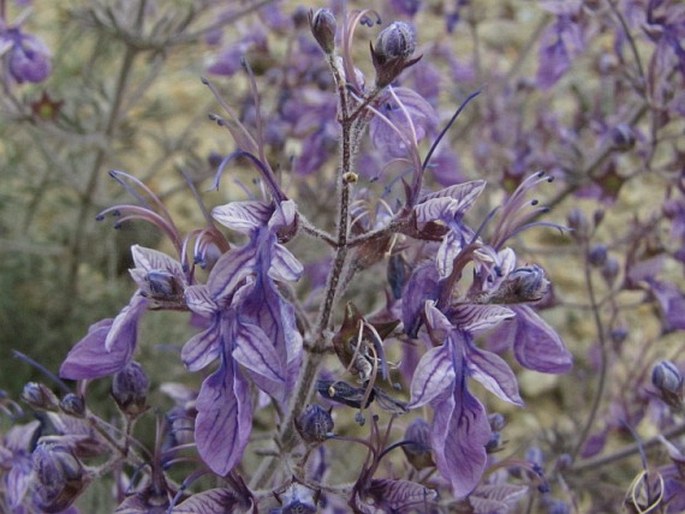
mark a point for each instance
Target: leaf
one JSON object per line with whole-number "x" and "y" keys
{"x": 213, "y": 501}
{"x": 459, "y": 434}
{"x": 243, "y": 216}
{"x": 434, "y": 374}
{"x": 224, "y": 418}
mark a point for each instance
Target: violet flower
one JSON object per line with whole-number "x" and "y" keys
{"x": 27, "y": 58}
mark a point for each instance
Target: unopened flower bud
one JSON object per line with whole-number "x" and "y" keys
{"x": 394, "y": 46}
{"x": 418, "y": 449}
{"x": 163, "y": 285}
{"x": 666, "y": 377}
{"x": 315, "y": 424}
{"x": 597, "y": 255}
{"x": 28, "y": 57}
{"x": 524, "y": 284}
{"x": 73, "y": 405}
{"x": 323, "y": 26}
{"x": 622, "y": 137}
{"x": 497, "y": 422}
{"x": 397, "y": 274}
{"x": 578, "y": 222}
{"x": 130, "y": 388}
{"x": 610, "y": 270}
{"x": 39, "y": 396}
{"x": 59, "y": 474}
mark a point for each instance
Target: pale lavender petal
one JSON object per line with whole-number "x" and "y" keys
{"x": 152, "y": 260}
{"x": 536, "y": 345}
{"x": 458, "y": 437}
{"x": 199, "y": 300}
{"x": 255, "y": 351}
{"x": 224, "y": 419}
{"x": 18, "y": 479}
{"x": 434, "y": 374}
{"x": 284, "y": 265}
{"x": 243, "y": 216}
{"x": 435, "y": 209}
{"x": 202, "y": 349}
{"x": 213, "y": 501}
{"x": 231, "y": 269}
{"x": 125, "y": 326}
{"x": 494, "y": 374}
{"x": 283, "y": 215}
{"x": 672, "y": 303}
{"x": 440, "y": 326}
{"x": 496, "y": 498}
{"x": 465, "y": 193}
{"x": 89, "y": 358}
{"x": 449, "y": 250}
{"x": 474, "y": 318}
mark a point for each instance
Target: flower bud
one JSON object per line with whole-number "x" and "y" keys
{"x": 315, "y": 424}
{"x": 418, "y": 451}
{"x": 28, "y": 57}
{"x": 610, "y": 270}
{"x": 622, "y": 137}
{"x": 163, "y": 285}
{"x": 578, "y": 222}
{"x": 323, "y": 26}
{"x": 129, "y": 389}
{"x": 666, "y": 377}
{"x": 524, "y": 284}
{"x": 73, "y": 405}
{"x": 394, "y": 45}
{"x": 397, "y": 274}
{"x": 597, "y": 255}
{"x": 39, "y": 396}
{"x": 60, "y": 476}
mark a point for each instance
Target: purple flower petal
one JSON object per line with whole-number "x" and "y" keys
{"x": 494, "y": 374}
{"x": 125, "y": 326}
{"x": 422, "y": 286}
{"x": 284, "y": 265}
{"x": 199, "y": 300}
{"x": 224, "y": 418}
{"x": 202, "y": 349}
{"x": 536, "y": 345}
{"x": 398, "y": 495}
{"x": 231, "y": 269}
{"x": 283, "y": 215}
{"x": 465, "y": 193}
{"x": 243, "y": 216}
{"x": 434, "y": 374}
{"x": 672, "y": 303}
{"x": 153, "y": 260}
{"x": 255, "y": 351}
{"x": 89, "y": 358}
{"x": 449, "y": 250}
{"x": 458, "y": 437}
{"x": 474, "y": 318}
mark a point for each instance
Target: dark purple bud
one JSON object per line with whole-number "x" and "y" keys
{"x": 418, "y": 449}
{"x": 323, "y": 26}
{"x": 524, "y": 284}
{"x": 495, "y": 443}
{"x": 618, "y": 335}
{"x": 397, "y": 274}
{"x": 59, "y": 474}
{"x": 298, "y": 499}
{"x": 557, "y": 507}
{"x": 129, "y": 389}
{"x": 622, "y": 137}
{"x": 163, "y": 285}
{"x": 315, "y": 424}
{"x": 610, "y": 270}
{"x": 578, "y": 222}
{"x": 73, "y": 405}
{"x": 597, "y": 255}
{"x": 598, "y": 216}
{"x": 666, "y": 377}
{"x": 39, "y": 396}
{"x": 394, "y": 46}
{"x": 300, "y": 16}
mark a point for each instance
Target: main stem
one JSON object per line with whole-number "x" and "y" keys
{"x": 287, "y": 439}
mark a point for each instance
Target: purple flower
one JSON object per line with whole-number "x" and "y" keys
{"x": 249, "y": 325}
{"x": 26, "y": 57}
{"x": 109, "y": 345}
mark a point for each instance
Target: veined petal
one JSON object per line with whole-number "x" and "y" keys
{"x": 213, "y": 501}
{"x": 125, "y": 326}
{"x": 231, "y": 268}
{"x": 435, "y": 209}
{"x": 434, "y": 374}
{"x": 399, "y": 495}
{"x": 202, "y": 348}
{"x": 536, "y": 345}
{"x": 224, "y": 418}
{"x": 284, "y": 265}
{"x": 283, "y": 215}
{"x": 465, "y": 194}
{"x": 440, "y": 327}
{"x": 449, "y": 249}
{"x": 422, "y": 286}
{"x": 148, "y": 260}
{"x": 199, "y": 300}
{"x": 255, "y": 351}
{"x": 459, "y": 434}
{"x": 88, "y": 358}
{"x": 494, "y": 374}
{"x": 243, "y": 216}
{"x": 473, "y": 318}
